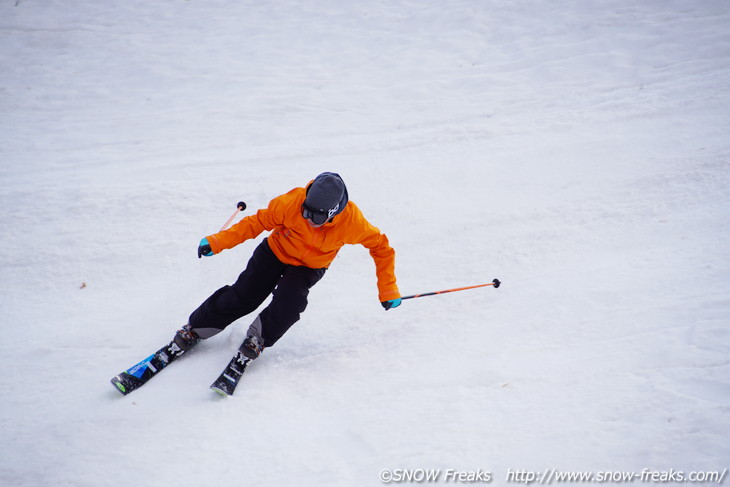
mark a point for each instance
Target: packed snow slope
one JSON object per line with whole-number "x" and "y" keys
{"x": 576, "y": 150}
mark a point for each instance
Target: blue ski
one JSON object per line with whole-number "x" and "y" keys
{"x": 139, "y": 374}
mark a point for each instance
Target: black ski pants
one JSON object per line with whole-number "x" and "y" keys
{"x": 265, "y": 274}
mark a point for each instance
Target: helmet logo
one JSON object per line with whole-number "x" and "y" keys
{"x": 332, "y": 212}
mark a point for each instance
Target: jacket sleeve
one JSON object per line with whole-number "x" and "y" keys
{"x": 383, "y": 255}
{"x": 250, "y": 227}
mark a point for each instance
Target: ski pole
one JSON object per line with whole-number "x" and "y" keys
{"x": 239, "y": 207}
{"x": 494, "y": 283}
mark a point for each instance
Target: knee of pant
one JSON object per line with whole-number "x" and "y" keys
{"x": 296, "y": 302}
{"x": 291, "y": 300}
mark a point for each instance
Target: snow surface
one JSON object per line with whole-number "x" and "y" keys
{"x": 578, "y": 150}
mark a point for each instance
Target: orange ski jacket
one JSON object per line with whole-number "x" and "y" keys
{"x": 294, "y": 241}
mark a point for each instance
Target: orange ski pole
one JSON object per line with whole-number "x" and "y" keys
{"x": 239, "y": 207}
{"x": 494, "y": 283}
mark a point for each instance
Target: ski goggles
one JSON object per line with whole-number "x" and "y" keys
{"x": 316, "y": 216}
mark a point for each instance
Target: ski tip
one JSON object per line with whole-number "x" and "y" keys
{"x": 219, "y": 391}
{"x": 119, "y": 386}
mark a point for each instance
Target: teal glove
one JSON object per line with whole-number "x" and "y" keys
{"x": 204, "y": 249}
{"x": 393, "y": 303}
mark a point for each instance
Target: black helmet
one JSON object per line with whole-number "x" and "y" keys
{"x": 326, "y": 198}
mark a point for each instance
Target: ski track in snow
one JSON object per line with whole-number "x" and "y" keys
{"x": 578, "y": 151}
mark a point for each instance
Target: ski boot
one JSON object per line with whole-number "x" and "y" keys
{"x": 252, "y": 346}
{"x": 185, "y": 339}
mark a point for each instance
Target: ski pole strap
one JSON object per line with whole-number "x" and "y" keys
{"x": 494, "y": 283}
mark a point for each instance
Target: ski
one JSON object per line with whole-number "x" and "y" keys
{"x": 139, "y": 374}
{"x": 226, "y": 383}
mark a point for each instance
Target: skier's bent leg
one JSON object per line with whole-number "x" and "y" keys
{"x": 288, "y": 303}
{"x": 230, "y": 303}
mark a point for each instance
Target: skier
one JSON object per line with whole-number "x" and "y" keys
{"x": 309, "y": 226}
